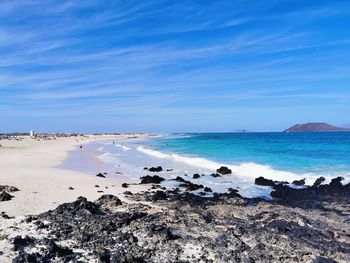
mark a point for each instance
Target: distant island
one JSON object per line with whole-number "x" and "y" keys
{"x": 315, "y": 127}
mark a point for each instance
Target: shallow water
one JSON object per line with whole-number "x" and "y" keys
{"x": 278, "y": 156}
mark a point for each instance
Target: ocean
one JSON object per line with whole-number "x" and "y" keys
{"x": 277, "y": 156}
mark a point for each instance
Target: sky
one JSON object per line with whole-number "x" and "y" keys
{"x": 173, "y": 66}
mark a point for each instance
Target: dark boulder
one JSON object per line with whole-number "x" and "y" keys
{"x": 151, "y": 179}
{"x": 196, "y": 176}
{"x": 319, "y": 181}
{"x": 215, "y": 175}
{"x": 20, "y": 242}
{"x": 79, "y": 207}
{"x": 4, "y": 215}
{"x": 191, "y": 186}
{"x": 125, "y": 185}
{"x": 4, "y": 196}
{"x": 299, "y": 182}
{"x": 224, "y": 170}
{"x": 156, "y": 169}
{"x": 8, "y": 188}
{"x": 101, "y": 175}
{"x": 159, "y": 195}
{"x": 108, "y": 200}
{"x": 207, "y": 189}
{"x": 336, "y": 182}
{"x": 179, "y": 179}
{"x": 264, "y": 182}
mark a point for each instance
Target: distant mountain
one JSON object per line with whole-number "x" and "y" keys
{"x": 315, "y": 127}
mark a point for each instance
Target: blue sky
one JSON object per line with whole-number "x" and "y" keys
{"x": 173, "y": 66}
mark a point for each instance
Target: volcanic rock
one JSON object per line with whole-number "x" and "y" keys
{"x": 299, "y": 182}
{"x": 224, "y": 170}
{"x": 4, "y": 196}
{"x": 264, "y": 182}
{"x": 101, "y": 175}
{"x": 156, "y": 169}
{"x": 8, "y": 188}
{"x": 148, "y": 179}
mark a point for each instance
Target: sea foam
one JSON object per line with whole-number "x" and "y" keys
{"x": 247, "y": 169}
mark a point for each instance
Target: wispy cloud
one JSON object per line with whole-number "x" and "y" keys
{"x": 130, "y": 56}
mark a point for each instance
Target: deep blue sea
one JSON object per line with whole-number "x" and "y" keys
{"x": 277, "y": 156}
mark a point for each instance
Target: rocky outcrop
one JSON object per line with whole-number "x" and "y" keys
{"x": 8, "y": 188}
{"x": 299, "y": 182}
{"x": 156, "y": 169}
{"x": 148, "y": 179}
{"x": 224, "y": 170}
{"x": 196, "y": 176}
{"x": 4, "y": 196}
{"x": 312, "y": 196}
{"x": 183, "y": 227}
{"x": 264, "y": 182}
{"x": 102, "y": 175}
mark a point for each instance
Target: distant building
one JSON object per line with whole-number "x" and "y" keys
{"x": 31, "y": 133}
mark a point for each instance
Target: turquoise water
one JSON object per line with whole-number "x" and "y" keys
{"x": 300, "y": 153}
{"x": 276, "y": 156}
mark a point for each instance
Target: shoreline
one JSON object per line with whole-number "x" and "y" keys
{"x": 89, "y": 223}
{"x": 35, "y": 167}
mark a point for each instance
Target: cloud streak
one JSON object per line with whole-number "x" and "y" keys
{"x": 129, "y": 57}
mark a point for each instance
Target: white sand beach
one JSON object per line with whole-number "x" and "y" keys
{"x": 31, "y": 166}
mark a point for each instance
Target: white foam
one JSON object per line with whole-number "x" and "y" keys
{"x": 125, "y": 148}
{"x": 247, "y": 170}
{"x": 100, "y": 149}
{"x": 107, "y": 158}
{"x": 193, "y": 161}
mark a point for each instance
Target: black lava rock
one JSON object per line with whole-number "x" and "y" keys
{"x": 151, "y": 179}
{"x": 8, "y": 188}
{"x": 264, "y": 182}
{"x": 4, "y": 196}
{"x": 20, "y": 242}
{"x": 156, "y": 169}
{"x": 319, "y": 181}
{"x": 196, "y": 176}
{"x": 179, "y": 179}
{"x": 101, "y": 175}
{"x": 299, "y": 182}
{"x": 224, "y": 170}
{"x": 159, "y": 195}
{"x": 207, "y": 189}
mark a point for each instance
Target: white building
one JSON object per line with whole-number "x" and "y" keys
{"x": 31, "y": 133}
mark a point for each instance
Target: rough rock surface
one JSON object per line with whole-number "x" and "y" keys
{"x": 148, "y": 179}
{"x": 175, "y": 226}
{"x": 224, "y": 170}
{"x": 156, "y": 169}
{"x": 8, "y": 188}
{"x": 4, "y": 196}
{"x": 102, "y": 175}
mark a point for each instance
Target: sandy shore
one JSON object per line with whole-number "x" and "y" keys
{"x": 308, "y": 224}
{"x": 31, "y": 166}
